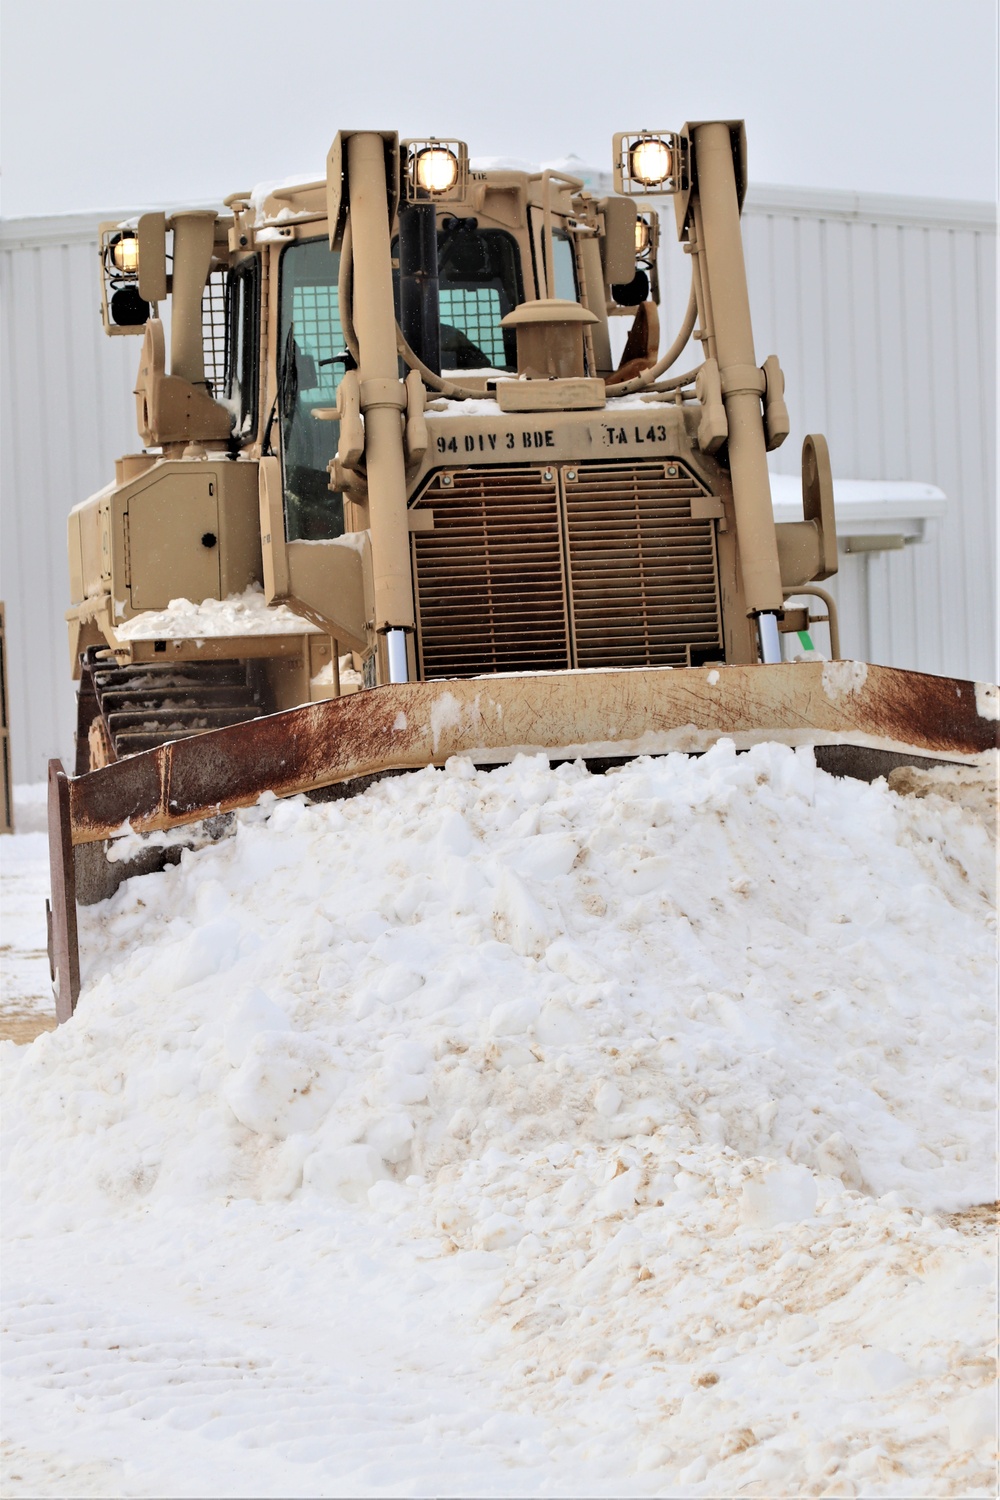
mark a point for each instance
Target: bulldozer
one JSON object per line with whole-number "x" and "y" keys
{"x": 397, "y": 501}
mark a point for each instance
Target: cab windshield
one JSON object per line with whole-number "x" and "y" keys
{"x": 479, "y": 283}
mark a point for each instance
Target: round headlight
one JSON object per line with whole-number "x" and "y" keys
{"x": 436, "y": 169}
{"x": 641, "y": 236}
{"x": 649, "y": 161}
{"x": 125, "y": 252}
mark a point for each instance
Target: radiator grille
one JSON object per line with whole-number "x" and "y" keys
{"x": 643, "y": 573}
{"x": 528, "y": 570}
{"x": 489, "y": 577}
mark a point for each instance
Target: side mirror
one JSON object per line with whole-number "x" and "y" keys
{"x": 151, "y": 233}
{"x": 618, "y": 247}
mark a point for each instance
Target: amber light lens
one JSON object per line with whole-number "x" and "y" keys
{"x": 641, "y": 236}
{"x": 436, "y": 169}
{"x": 649, "y": 161}
{"x": 125, "y": 254}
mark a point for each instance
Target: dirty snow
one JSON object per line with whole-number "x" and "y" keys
{"x": 521, "y": 1132}
{"x": 238, "y": 614}
{"x": 25, "y": 987}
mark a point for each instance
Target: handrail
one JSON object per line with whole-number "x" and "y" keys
{"x": 812, "y": 591}
{"x": 547, "y": 178}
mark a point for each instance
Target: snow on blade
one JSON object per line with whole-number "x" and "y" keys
{"x": 620, "y": 1102}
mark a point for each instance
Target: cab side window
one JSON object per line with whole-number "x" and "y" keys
{"x": 564, "y": 266}
{"x": 308, "y": 376}
{"x": 242, "y": 344}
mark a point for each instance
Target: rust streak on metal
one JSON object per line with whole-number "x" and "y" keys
{"x": 416, "y": 724}
{"x": 64, "y": 953}
{"x": 944, "y": 708}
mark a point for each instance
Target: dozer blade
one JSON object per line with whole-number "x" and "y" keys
{"x": 863, "y": 720}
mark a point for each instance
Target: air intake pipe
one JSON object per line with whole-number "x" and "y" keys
{"x": 194, "y": 237}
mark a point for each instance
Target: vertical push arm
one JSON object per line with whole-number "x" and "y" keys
{"x": 724, "y": 279}
{"x": 382, "y": 395}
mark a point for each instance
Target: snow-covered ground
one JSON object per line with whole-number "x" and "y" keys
{"x": 523, "y": 1132}
{"x": 25, "y": 987}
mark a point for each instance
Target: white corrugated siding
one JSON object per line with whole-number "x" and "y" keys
{"x": 882, "y": 311}
{"x": 883, "y": 314}
{"x": 67, "y": 413}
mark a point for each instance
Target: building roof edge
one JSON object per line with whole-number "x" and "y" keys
{"x": 869, "y": 208}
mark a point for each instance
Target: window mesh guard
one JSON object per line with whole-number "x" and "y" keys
{"x": 475, "y": 313}
{"x": 316, "y": 321}
{"x": 214, "y": 322}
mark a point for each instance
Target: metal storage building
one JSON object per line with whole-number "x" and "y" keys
{"x": 883, "y": 313}
{"x": 881, "y": 309}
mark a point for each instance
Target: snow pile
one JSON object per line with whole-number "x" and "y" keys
{"x": 238, "y": 614}
{"x": 737, "y": 951}
{"x": 351, "y": 680}
{"x": 265, "y": 190}
{"x": 657, "y": 1075}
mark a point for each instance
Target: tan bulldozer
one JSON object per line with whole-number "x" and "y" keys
{"x": 396, "y": 502}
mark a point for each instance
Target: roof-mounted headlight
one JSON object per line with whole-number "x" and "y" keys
{"x": 124, "y": 251}
{"x": 648, "y": 161}
{"x": 647, "y": 234}
{"x": 437, "y": 170}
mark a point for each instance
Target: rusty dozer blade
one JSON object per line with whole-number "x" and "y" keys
{"x": 60, "y": 911}
{"x": 863, "y": 720}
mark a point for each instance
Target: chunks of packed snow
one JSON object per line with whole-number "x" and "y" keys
{"x": 351, "y": 681}
{"x": 660, "y": 1085}
{"x": 238, "y": 614}
{"x": 752, "y": 953}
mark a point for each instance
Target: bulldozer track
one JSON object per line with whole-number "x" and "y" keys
{"x": 124, "y": 710}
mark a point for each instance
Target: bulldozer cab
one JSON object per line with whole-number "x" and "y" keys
{"x": 411, "y": 326}
{"x": 480, "y": 281}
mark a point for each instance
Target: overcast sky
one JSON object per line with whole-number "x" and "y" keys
{"x": 114, "y": 106}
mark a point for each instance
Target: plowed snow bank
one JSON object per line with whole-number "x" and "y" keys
{"x": 737, "y": 951}
{"x": 668, "y": 1064}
